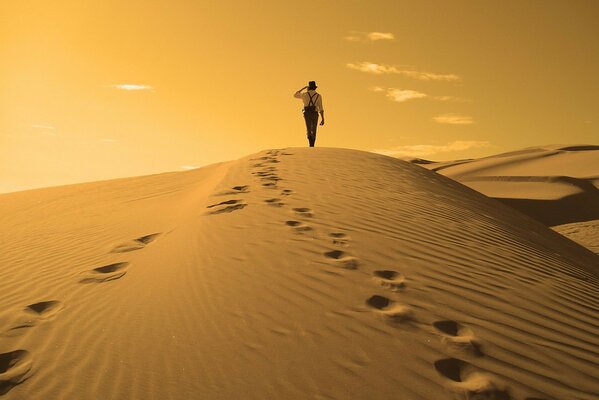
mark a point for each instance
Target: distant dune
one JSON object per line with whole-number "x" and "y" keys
{"x": 302, "y": 273}
{"x": 557, "y": 185}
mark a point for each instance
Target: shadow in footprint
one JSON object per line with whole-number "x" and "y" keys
{"x": 473, "y": 384}
{"x": 392, "y": 311}
{"x": 342, "y": 259}
{"x": 14, "y": 369}
{"x": 274, "y": 202}
{"x": 45, "y": 309}
{"x": 458, "y": 336}
{"x": 339, "y": 238}
{"x": 298, "y": 226}
{"x": 136, "y": 244}
{"x": 31, "y": 316}
{"x": 286, "y": 192}
{"x": 391, "y": 279}
{"x": 106, "y": 273}
{"x": 228, "y": 206}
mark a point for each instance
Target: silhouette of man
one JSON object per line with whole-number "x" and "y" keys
{"x": 312, "y": 106}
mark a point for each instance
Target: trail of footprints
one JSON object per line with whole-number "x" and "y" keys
{"x": 458, "y": 339}
{"x": 15, "y": 366}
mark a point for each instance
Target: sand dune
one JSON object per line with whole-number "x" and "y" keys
{"x": 557, "y": 185}
{"x": 291, "y": 274}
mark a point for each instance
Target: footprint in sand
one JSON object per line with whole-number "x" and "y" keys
{"x": 339, "y": 238}
{"x": 14, "y": 369}
{"x": 459, "y": 337}
{"x": 392, "y": 311}
{"x": 390, "y": 279}
{"x": 227, "y": 206}
{"x": 33, "y": 315}
{"x": 135, "y": 244}
{"x": 270, "y": 185}
{"x": 235, "y": 190}
{"x": 342, "y": 259}
{"x": 298, "y": 227}
{"x": 286, "y": 192}
{"x": 274, "y": 202}
{"x": 463, "y": 378}
{"x": 303, "y": 212}
{"x": 106, "y": 273}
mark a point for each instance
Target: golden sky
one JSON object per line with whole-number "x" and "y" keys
{"x": 110, "y": 88}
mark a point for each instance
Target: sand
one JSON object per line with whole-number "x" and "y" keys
{"x": 557, "y": 185}
{"x": 291, "y": 274}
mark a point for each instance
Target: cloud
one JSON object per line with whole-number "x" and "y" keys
{"x": 132, "y": 87}
{"x": 424, "y": 150}
{"x": 369, "y": 36}
{"x": 401, "y": 95}
{"x": 455, "y": 119}
{"x": 379, "y": 69}
{"x": 43, "y": 127}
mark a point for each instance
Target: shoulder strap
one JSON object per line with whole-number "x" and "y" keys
{"x": 313, "y": 102}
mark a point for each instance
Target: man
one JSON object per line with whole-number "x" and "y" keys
{"x": 312, "y": 106}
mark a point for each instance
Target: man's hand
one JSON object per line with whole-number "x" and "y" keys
{"x": 322, "y": 122}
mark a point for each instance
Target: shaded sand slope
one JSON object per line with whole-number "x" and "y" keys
{"x": 291, "y": 274}
{"x": 553, "y": 184}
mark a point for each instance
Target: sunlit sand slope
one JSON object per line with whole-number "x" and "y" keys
{"x": 291, "y": 274}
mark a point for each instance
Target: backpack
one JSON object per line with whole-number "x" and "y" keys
{"x": 311, "y": 107}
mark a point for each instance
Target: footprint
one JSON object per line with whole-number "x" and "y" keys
{"x": 390, "y": 310}
{"x": 339, "y": 238}
{"x": 106, "y": 273}
{"x": 230, "y": 206}
{"x": 286, "y": 192}
{"x": 458, "y": 337}
{"x": 31, "y": 316}
{"x": 274, "y": 202}
{"x": 14, "y": 369}
{"x": 304, "y": 212}
{"x": 391, "y": 279}
{"x": 298, "y": 226}
{"x": 135, "y": 244}
{"x": 462, "y": 377}
{"x": 270, "y": 185}
{"x": 344, "y": 260}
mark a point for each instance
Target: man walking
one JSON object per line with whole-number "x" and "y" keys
{"x": 312, "y": 106}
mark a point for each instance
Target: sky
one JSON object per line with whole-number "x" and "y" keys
{"x": 93, "y": 90}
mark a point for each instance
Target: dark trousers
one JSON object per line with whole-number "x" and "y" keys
{"x": 311, "y": 124}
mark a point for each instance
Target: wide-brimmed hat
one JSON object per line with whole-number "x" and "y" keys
{"x": 312, "y": 85}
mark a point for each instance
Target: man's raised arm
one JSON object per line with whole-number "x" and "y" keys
{"x": 298, "y": 94}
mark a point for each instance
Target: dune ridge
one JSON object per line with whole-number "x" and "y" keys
{"x": 292, "y": 273}
{"x": 557, "y": 185}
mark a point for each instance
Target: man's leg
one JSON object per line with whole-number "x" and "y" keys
{"x": 308, "y": 127}
{"x": 314, "y": 126}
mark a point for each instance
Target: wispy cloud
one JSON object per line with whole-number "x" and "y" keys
{"x": 401, "y": 95}
{"x": 369, "y": 36}
{"x": 43, "y": 127}
{"x": 131, "y": 87}
{"x": 455, "y": 119}
{"x": 373, "y": 68}
{"x": 46, "y": 130}
{"x": 424, "y": 150}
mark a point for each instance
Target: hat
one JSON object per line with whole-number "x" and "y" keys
{"x": 312, "y": 85}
